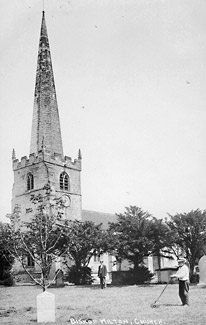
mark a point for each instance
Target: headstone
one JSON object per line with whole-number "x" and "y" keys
{"x": 45, "y": 307}
{"x": 202, "y": 267}
{"x": 59, "y": 279}
{"x": 52, "y": 272}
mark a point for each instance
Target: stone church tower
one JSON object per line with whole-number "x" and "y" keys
{"x": 46, "y": 170}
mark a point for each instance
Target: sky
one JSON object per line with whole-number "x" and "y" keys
{"x": 130, "y": 78}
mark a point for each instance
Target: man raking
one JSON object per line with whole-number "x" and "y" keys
{"x": 183, "y": 277}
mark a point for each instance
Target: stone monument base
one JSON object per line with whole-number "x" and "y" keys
{"x": 45, "y": 307}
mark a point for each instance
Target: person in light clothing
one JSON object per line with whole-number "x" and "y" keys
{"x": 183, "y": 276}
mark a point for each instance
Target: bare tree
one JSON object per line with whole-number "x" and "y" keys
{"x": 40, "y": 238}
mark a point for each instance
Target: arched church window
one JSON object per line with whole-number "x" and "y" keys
{"x": 30, "y": 261}
{"x": 64, "y": 181}
{"x": 30, "y": 182}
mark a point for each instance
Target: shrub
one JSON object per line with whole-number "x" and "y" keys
{"x": 6, "y": 259}
{"x": 140, "y": 275}
{"x": 80, "y": 275}
{"x": 7, "y": 280}
{"x": 194, "y": 278}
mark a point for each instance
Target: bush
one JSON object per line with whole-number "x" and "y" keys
{"x": 6, "y": 259}
{"x": 80, "y": 275}
{"x": 140, "y": 275}
{"x": 8, "y": 279}
{"x": 194, "y": 278}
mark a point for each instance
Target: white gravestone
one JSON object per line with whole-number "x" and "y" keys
{"x": 45, "y": 307}
{"x": 202, "y": 267}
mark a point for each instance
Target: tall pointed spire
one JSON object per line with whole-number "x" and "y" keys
{"x": 45, "y": 123}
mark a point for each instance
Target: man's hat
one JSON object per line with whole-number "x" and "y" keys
{"x": 181, "y": 260}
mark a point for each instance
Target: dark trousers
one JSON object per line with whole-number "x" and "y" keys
{"x": 102, "y": 281}
{"x": 184, "y": 292}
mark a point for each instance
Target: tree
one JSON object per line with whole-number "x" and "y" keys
{"x": 188, "y": 233}
{"x": 130, "y": 236}
{"x": 39, "y": 238}
{"x": 83, "y": 240}
{"x": 6, "y": 259}
{"x": 161, "y": 238}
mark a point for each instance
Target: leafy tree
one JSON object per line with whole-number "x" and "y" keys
{"x": 83, "y": 240}
{"x": 6, "y": 259}
{"x": 130, "y": 236}
{"x": 188, "y": 233}
{"x": 39, "y": 238}
{"x": 161, "y": 238}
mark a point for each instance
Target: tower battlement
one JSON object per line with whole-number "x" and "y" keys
{"x": 45, "y": 156}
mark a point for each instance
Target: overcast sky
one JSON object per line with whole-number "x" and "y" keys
{"x": 130, "y": 79}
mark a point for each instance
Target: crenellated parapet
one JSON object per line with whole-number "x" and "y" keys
{"x": 45, "y": 156}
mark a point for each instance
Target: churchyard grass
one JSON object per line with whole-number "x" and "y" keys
{"x": 112, "y": 305}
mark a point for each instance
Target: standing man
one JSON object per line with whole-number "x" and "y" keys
{"x": 102, "y": 272}
{"x": 183, "y": 277}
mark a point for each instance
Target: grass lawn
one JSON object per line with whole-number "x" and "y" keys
{"x": 112, "y": 305}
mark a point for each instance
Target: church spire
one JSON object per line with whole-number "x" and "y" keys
{"x": 45, "y": 123}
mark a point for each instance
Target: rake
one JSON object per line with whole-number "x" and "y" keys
{"x": 154, "y": 305}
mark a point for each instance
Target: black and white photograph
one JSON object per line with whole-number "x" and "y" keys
{"x": 103, "y": 162}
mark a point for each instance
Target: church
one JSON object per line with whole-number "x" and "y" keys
{"x": 47, "y": 169}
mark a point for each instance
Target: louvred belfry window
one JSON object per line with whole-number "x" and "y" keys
{"x": 30, "y": 182}
{"x": 64, "y": 181}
